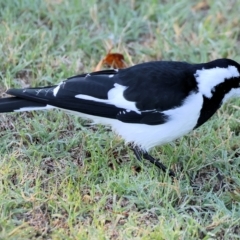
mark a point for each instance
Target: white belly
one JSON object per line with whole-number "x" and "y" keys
{"x": 181, "y": 121}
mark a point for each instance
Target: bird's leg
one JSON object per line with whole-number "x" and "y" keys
{"x": 220, "y": 178}
{"x": 143, "y": 154}
{"x": 138, "y": 153}
{"x": 157, "y": 163}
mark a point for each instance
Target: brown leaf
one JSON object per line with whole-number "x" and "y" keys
{"x": 203, "y": 5}
{"x": 114, "y": 60}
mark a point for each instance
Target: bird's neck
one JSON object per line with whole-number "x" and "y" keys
{"x": 210, "y": 106}
{"x": 221, "y": 94}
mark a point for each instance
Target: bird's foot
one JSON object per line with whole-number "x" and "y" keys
{"x": 140, "y": 154}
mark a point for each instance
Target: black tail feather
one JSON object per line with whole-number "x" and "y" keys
{"x": 12, "y": 104}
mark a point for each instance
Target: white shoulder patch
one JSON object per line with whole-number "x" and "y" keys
{"x": 208, "y": 79}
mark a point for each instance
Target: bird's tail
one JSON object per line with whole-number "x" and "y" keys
{"x": 16, "y": 104}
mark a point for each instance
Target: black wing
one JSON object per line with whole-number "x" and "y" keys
{"x": 96, "y": 84}
{"x": 148, "y": 89}
{"x": 159, "y": 85}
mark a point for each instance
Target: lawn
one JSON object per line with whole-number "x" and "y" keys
{"x": 63, "y": 178}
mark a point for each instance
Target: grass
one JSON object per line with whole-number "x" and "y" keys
{"x": 63, "y": 179}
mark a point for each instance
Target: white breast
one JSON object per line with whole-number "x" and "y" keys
{"x": 181, "y": 121}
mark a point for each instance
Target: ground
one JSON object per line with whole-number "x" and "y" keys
{"x": 62, "y": 178}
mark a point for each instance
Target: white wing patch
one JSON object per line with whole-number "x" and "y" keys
{"x": 115, "y": 97}
{"x": 207, "y": 79}
{"x": 56, "y": 89}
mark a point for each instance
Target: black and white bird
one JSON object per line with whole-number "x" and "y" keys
{"x": 148, "y": 104}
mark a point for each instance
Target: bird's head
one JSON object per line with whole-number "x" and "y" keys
{"x": 219, "y": 78}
